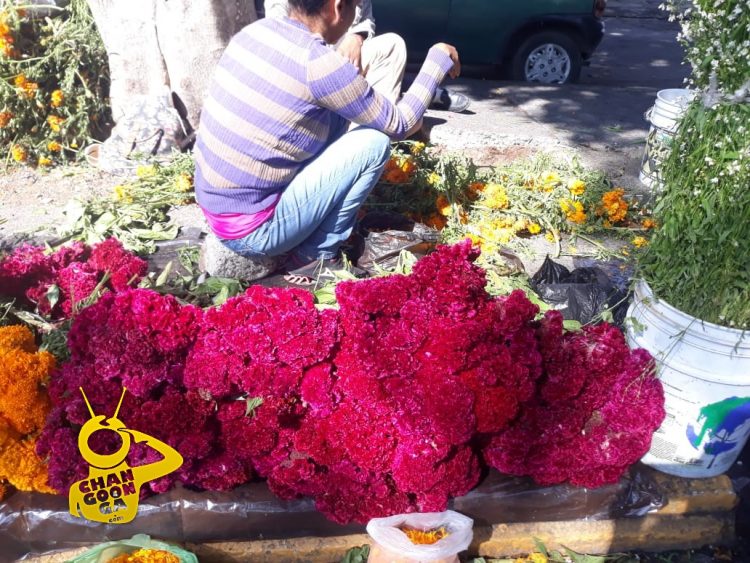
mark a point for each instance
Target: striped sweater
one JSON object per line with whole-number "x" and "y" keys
{"x": 279, "y": 96}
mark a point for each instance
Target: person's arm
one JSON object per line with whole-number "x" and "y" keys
{"x": 364, "y": 22}
{"x": 363, "y": 28}
{"x": 336, "y": 85}
{"x": 276, "y": 8}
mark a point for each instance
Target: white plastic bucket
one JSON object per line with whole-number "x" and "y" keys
{"x": 705, "y": 371}
{"x": 664, "y": 117}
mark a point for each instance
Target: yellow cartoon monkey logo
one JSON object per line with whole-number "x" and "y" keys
{"x": 110, "y": 493}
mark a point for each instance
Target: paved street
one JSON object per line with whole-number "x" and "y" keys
{"x": 601, "y": 117}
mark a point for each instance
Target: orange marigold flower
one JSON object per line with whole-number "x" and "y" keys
{"x": 54, "y": 146}
{"x": 573, "y": 211}
{"x": 475, "y": 189}
{"x": 443, "y": 206}
{"x": 463, "y": 217}
{"x": 57, "y": 98}
{"x": 20, "y": 81}
{"x": 5, "y": 117}
{"x": 614, "y": 206}
{"x": 422, "y": 537}
{"x": 648, "y": 223}
{"x": 19, "y": 153}
{"x": 54, "y": 122}
{"x": 436, "y": 221}
{"x": 146, "y": 556}
{"x": 24, "y": 406}
{"x": 4, "y": 28}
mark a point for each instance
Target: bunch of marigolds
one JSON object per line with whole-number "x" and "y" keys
{"x": 24, "y": 406}
{"x": 54, "y": 82}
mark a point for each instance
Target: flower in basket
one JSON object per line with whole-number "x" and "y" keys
{"x": 23, "y": 408}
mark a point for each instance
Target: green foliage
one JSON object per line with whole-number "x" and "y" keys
{"x": 699, "y": 259}
{"x": 357, "y": 555}
{"x": 136, "y": 213}
{"x": 54, "y": 82}
{"x": 716, "y": 37}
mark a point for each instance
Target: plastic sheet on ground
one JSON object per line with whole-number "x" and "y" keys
{"x": 31, "y": 523}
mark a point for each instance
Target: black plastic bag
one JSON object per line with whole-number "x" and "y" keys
{"x": 386, "y": 235}
{"x": 581, "y": 295}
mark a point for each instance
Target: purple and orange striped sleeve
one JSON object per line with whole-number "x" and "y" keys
{"x": 336, "y": 85}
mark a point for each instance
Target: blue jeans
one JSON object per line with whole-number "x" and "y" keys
{"x": 318, "y": 209}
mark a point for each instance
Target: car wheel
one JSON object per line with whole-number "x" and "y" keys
{"x": 549, "y": 57}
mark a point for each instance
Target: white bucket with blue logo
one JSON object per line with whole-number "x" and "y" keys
{"x": 664, "y": 116}
{"x": 705, "y": 371}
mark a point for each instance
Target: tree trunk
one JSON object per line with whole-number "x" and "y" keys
{"x": 155, "y": 45}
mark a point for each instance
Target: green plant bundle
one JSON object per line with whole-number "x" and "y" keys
{"x": 137, "y": 211}
{"x": 54, "y": 82}
{"x": 699, "y": 258}
{"x": 716, "y": 37}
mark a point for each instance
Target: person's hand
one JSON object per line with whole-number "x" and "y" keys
{"x": 351, "y": 48}
{"x": 450, "y": 50}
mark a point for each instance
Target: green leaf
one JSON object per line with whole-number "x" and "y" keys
{"x": 572, "y": 325}
{"x": 221, "y": 297}
{"x": 252, "y": 404}
{"x": 53, "y": 296}
{"x": 162, "y": 279}
{"x": 357, "y": 555}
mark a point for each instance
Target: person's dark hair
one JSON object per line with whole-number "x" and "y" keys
{"x": 310, "y": 7}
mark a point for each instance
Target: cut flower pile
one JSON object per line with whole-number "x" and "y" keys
{"x": 395, "y": 402}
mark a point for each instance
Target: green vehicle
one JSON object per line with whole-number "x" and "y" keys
{"x": 543, "y": 41}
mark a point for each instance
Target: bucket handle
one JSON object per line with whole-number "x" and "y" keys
{"x": 647, "y": 114}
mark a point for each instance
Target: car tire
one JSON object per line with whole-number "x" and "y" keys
{"x": 560, "y": 48}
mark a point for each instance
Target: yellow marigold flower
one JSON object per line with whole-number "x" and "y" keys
{"x": 121, "y": 192}
{"x": 146, "y": 556}
{"x": 408, "y": 166}
{"x": 475, "y": 189}
{"x": 648, "y": 223}
{"x": 535, "y": 228}
{"x": 145, "y": 170}
{"x": 550, "y": 181}
{"x": 533, "y": 558}
{"x": 577, "y": 187}
{"x": 74, "y": 145}
{"x": 475, "y": 239}
{"x": 495, "y": 197}
{"x": 434, "y": 179}
{"x": 54, "y": 122}
{"x": 20, "y": 81}
{"x": 550, "y": 237}
{"x": 640, "y": 242}
{"x": 183, "y": 182}
{"x": 5, "y": 118}
{"x": 443, "y": 206}
{"x": 54, "y": 146}
{"x": 417, "y": 148}
{"x": 19, "y": 153}
{"x": 57, "y": 98}
{"x": 44, "y": 161}
{"x": 520, "y": 224}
